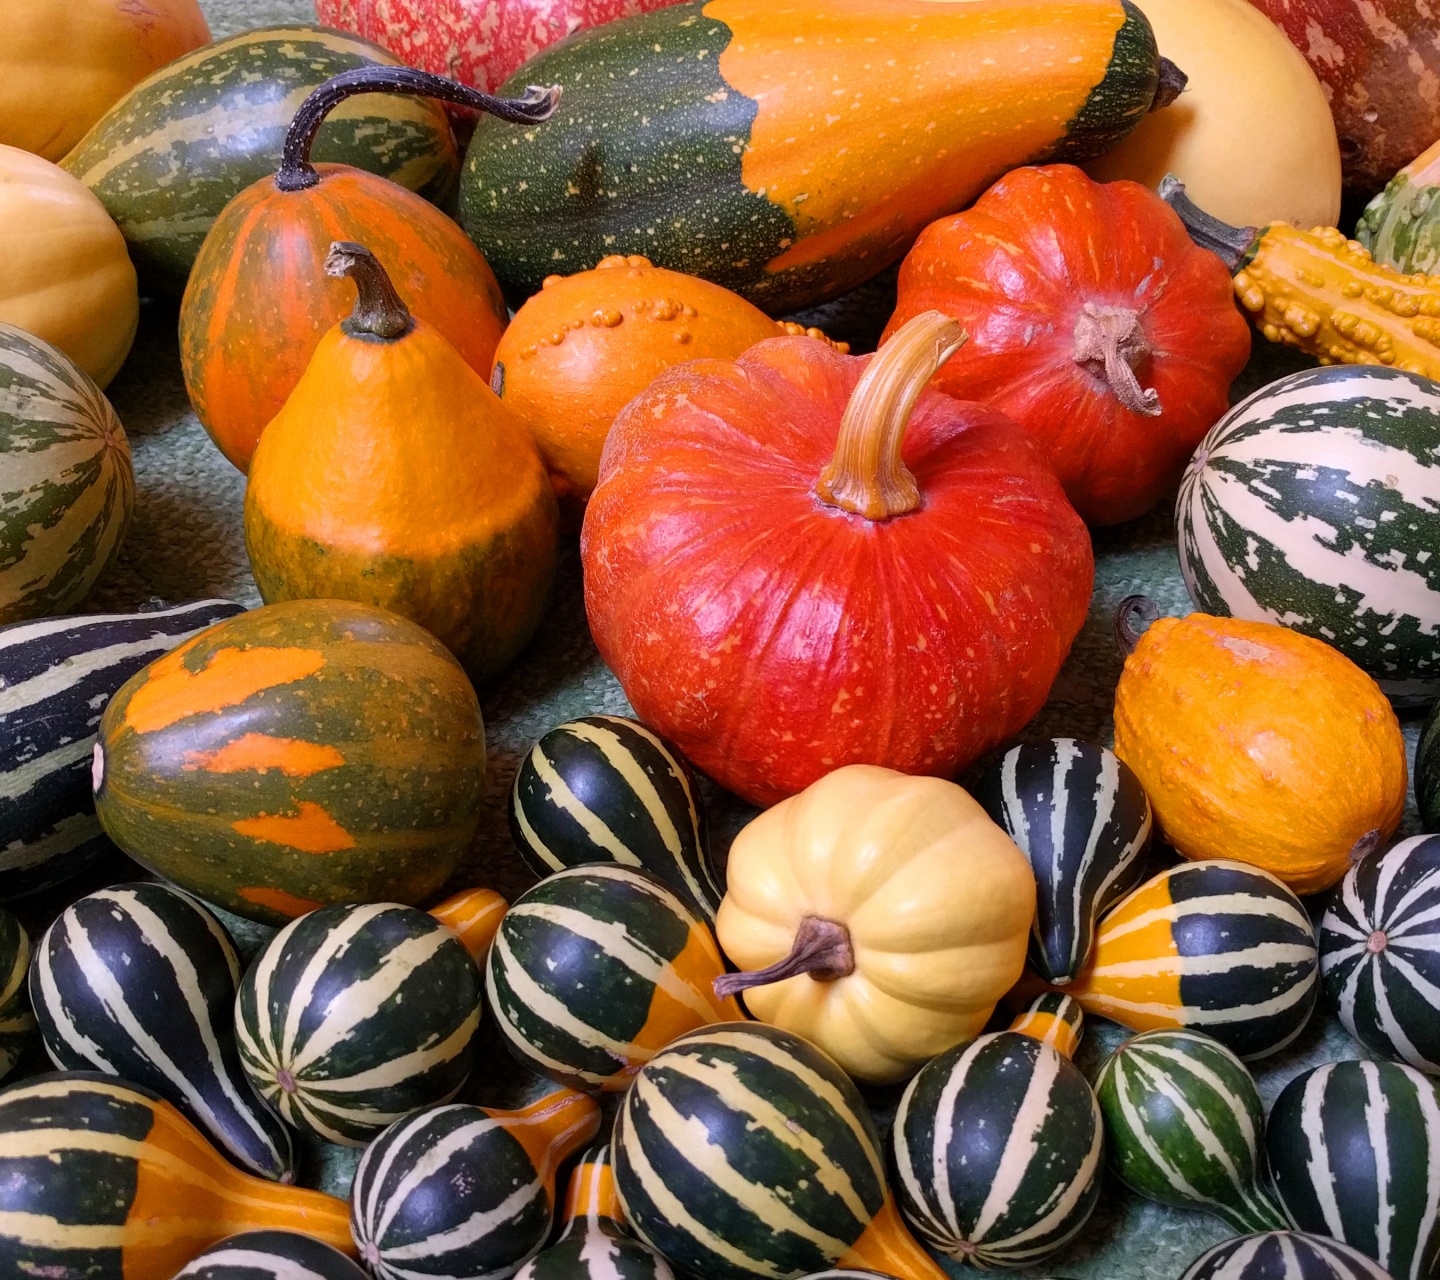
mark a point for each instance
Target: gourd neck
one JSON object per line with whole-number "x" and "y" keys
{"x": 297, "y": 173}
{"x": 1110, "y": 343}
{"x": 591, "y": 1201}
{"x": 867, "y": 475}
{"x": 1127, "y": 637}
{"x": 474, "y": 916}
{"x": 551, "y": 1129}
{"x": 1234, "y": 246}
{"x": 822, "y": 948}
{"x": 379, "y": 314}
{"x": 1054, "y": 1019}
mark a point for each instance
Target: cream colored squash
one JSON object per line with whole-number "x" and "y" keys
{"x": 64, "y": 63}
{"x": 1252, "y": 136}
{"x": 65, "y": 274}
{"x": 894, "y": 911}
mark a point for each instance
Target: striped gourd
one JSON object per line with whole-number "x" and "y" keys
{"x": 1380, "y": 952}
{"x": 997, "y": 1148}
{"x": 606, "y": 789}
{"x": 301, "y": 754}
{"x": 17, "y": 1023}
{"x": 598, "y": 968}
{"x": 593, "y": 1243}
{"x": 1427, "y": 771}
{"x": 103, "y": 1180}
{"x": 1078, "y": 814}
{"x": 138, "y": 981}
{"x": 271, "y": 1255}
{"x": 68, "y": 486}
{"x": 1184, "y": 1124}
{"x": 172, "y": 153}
{"x": 56, "y": 675}
{"x": 353, "y": 1017}
{"x": 1054, "y": 1019}
{"x": 1354, "y": 1153}
{"x": 474, "y": 916}
{"x": 1220, "y": 947}
{"x": 743, "y": 1150}
{"x": 462, "y": 1192}
{"x": 1315, "y": 504}
{"x": 1283, "y": 1255}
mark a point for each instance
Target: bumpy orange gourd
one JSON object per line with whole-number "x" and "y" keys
{"x": 586, "y": 345}
{"x": 1258, "y": 744}
{"x": 393, "y": 476}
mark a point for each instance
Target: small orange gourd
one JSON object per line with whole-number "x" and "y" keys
{"x": 393, "y": 476}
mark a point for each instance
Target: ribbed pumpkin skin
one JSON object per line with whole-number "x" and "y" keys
{"x": 1352, "y": 1149}
{"x": 172, "y": 153}
{"x": 1078, "y": 814}
{"x": 1380, "y": 953}
{"x": 69, "y": 485}
{"x": 606, "y": 789}
{"x": 1309, "y": 770}
{"x": 1185, "y": 1125}
{"x": 270, "y": 1255}
{"x": 56, "y": 675}
{"x": 1002, "y": 1112}
{"x": 17, "y": 1023}
{"x": 354, "y": 1017}
{"x": 258, "y": 300}
{"x": 315, "y": 727}
{"x": 138, "y": 981}
{"x": 1283, "y": 1255}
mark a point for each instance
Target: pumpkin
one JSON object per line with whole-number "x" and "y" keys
{"x": 1241, "y": 70}
{"x": 747, "y": 151}
{"x": 138, "y": 981}
{"x": 68, "y": 61}
{"x": 1094, "y": 322}
{"x": 473, "y": 916}
{"x": 102, "y": 1178}
{"x": 586, "y": 345}
{"x": 464, "y": 1191}
{"x": 394, "y": 477}
{"x": 765, "y": 530}
{"x": 17, "y": 1023}
{"x": 1283, "y": 1255}
{"x": 258, "y": 300}
{"x": 1401, "y": 226}
{"x": 68, "y": 480}
{"x": 66, "y": 277}
{"x": 1257, "y": 743}
{"x": 315, "y": 727}
{"x": 883, "y": 916}
{"x": 270, "y": 1255}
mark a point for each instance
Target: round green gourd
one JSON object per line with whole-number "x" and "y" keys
{"x": 271, "y": 1255}
{"x": 1283, "y": 1255}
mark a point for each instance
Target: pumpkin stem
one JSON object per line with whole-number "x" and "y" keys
{"x": 867, "y": 475}
{"x": 378, "y": 312}
{"x": 297, "y": 173}
{"x": 1126, "y": 637}
{"x": 1110, "y": 342}
{"x": 821, "y": 948}
{"x": 1172, "y": 85}
{"x": 1234, "y": 246}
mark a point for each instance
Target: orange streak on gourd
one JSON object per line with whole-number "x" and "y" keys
{"x": 474, "y": 916}
{"x": 1139, "y": 931}
{"x": 697, "y": 965}
{"x": 551, "y": 1129}
{"x": 259, "y": 752}
{"x": 592, "y": 1190}
{"x": 174, "y": 692}
{"x": 888, "y": 1247}
{"x": 313, "y": 830}
{"x": 287, "y": 904}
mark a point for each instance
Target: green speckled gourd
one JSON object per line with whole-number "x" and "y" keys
{"x": 1401, "y": 226}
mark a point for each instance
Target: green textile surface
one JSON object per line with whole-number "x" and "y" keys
{"x": 186, "y": 543}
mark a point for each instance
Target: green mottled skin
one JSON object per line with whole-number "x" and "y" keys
{"x": 1401, "y": 226}
{"x": 1427, "y": 772}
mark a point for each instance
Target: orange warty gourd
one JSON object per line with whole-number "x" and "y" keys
{"x": 258, "y": 303}
{"x": 586, "y": 345}
{"x": 1258, "y": 744}
{"x": 393, "y": 476}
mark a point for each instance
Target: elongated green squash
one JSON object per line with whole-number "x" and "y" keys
{"x": 790, "y": 152}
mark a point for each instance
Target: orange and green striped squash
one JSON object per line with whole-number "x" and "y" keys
{"x": 301, "y": 754}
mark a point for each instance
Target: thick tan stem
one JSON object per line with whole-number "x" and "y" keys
{"x": 1110, "y": 342}
{"x": 821, "y": 948}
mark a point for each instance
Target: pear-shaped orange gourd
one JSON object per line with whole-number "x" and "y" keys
{"x": 393, "y": 476}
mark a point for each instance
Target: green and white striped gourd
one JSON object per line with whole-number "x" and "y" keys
{"x": 997, "y": 1148}
{"x": 1184, "y": 1126}
{"x": 465, "y": 1193}
{"x": 354, "y": 1017}
{"x": 271, "y": 1255}
{"x": 607, "y": 789}
{"x": 17, "y": 1023}
{"x": 1315, "y": 504}
{"x": 596, "y": 969}
{"x": 1427, "y": 772}
{"x": 1283, "y": 1255}
{"x": 1079, "y": 815}
{"x": 138, "y": 981}
{"x": 68, "y": 485}
{"x": 1354, "y": 1154}
{"x": 1380, "y": 952}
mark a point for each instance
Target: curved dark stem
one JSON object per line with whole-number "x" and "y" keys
{"x": 379, "y": 312}
{"x": 1126, "y": 637}
{"x": 821, "y": 948}
{"x": 297, "y": 173}
{"x": 1172, "y": 85}
{"x": 1234, "y": 246}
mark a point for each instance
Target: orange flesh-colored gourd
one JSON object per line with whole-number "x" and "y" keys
{"x": 474, "y": 915}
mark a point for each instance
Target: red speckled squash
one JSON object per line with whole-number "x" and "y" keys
{"x": 1094, "y": 321}
{"x": 792, "y": 568}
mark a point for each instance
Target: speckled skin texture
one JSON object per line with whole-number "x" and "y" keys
{"x": 186, "y": 543}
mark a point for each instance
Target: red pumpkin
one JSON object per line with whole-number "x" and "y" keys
{"x": 787, "y": 578}
{"x": 1094, "y": 322}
